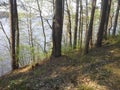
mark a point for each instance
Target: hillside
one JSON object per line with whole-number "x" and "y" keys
{"x": 99, "y": 70}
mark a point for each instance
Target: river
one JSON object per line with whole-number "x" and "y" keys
{"x": 5, "y": 62}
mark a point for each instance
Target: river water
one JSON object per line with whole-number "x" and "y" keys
{"x": 5, "y": 62}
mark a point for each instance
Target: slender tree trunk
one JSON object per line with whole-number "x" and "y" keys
{"x": 116, "y": 18}
{"x": 57, "y": 28}
{"x": 76, "y": 24}
{"x": 30, "y": 34}
{"x": 31, "y": 37}
{"x": 102, "y": 23}
{"x": 5, "y": 34}
{"x": 40, "y": 12}
{"x": 69, "y": 24}
{"x": 110, "y": 26}
{"x": 53, "y": 5}
{"x": 107, "y": 19}
{"x": 17, "y": 33}
{"x": 80, "y": 22}
{"x": 86, "y": 16}
{"x": 89, "y": 34}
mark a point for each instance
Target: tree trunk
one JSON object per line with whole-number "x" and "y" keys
{"x": 17, "y": 32}
{"x": 107, "y": 18}
{"x": 76, "y": 24}
{"x": 102, "y": 23}
{"x": 57, "y": 28}
{"x": 69, "y": 24}
{"x": 116, "y": 18}
{"x": 40, "y": 13}
{"x": 89, "y": 34}
{"x": 80, "y": 23}
{"x": 86, "y": 16}
{"x": 13, "y": 27}
{"x": 80, "y": 35}
{"x": 31, "y": 37}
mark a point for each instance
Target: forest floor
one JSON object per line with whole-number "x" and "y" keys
{"x": 99, "y": 70}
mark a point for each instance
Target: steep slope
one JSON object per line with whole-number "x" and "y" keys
{"x": 99, "y": 70}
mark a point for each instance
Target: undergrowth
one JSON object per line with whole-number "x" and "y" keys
{"x": 98, "y": 70}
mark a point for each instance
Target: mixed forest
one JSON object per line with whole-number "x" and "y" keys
{"x": 59, "y": 45}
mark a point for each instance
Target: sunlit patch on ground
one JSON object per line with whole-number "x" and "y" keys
{"x": 87, "y": 84}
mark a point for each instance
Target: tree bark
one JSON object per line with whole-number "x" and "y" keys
{"x": 40, "y": 13}
{"x": 80, "y": 33}
{"x": 86, "y": 16}
{"x": 57, "y": 28}
{"x": 90, "y": 30}
{"x": 69, "y": 24}
{"x": 107, "y": 19}
{"x": 17, "y": 33}
{"x": 13, "y": 27}
{"x": 76, "y": 24}
{"x": 102, "y": 23}
{"x": 116, "y": 18}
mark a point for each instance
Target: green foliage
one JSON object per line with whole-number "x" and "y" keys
{"x": 67, "y": 50}
{"x": 17, "y": 85}
{"x": 110, "y": 40}
{"x": 83, "y": 87}
{"x": 118, "y": 37}
{"x": 21, "y": 15}
{"x": 1, "y": 58}
{"x": 12, "y": 84}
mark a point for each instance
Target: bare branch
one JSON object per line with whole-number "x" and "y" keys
{"x": 5, "y": 32}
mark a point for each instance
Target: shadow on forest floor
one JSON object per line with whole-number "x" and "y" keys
{"x": 99, "y": 70}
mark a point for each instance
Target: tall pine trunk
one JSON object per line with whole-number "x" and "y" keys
{"x": 102, "y": 23}
{"x": 107, "y": 19}
{"x": 90, "y": 30}
{"x": 116, "y": 18}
